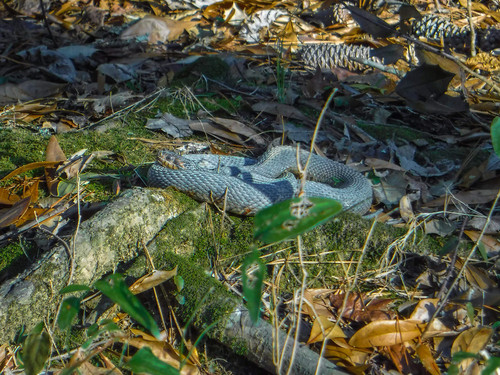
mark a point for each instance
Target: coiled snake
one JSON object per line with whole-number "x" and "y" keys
{"x": 247, "y": 185}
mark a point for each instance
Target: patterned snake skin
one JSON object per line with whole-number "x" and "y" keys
{"x": 248, "y": 185}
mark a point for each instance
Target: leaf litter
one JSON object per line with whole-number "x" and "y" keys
{"x": 428, "y": 164}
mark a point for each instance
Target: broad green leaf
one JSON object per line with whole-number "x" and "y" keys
{"x": 94, "y": 331}
{"x": 449, "y": 246}
{"x": 495, "y": 135}
{"x": 482, "y": 251}
{"x": 491, "y": 366}
{"x": 460, "y": 356}
{"x": 114, "y": 288}
{"x": 69, "y": 309}
{"x": 144, "y": 361}
{"x": 36, "y": 350}
{"x": 253, "y": 278}
{"x": 74, "y": 288}
{"x": 292, "y": 217}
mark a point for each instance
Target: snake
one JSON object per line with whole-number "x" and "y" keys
{"x": 244, "y": 185}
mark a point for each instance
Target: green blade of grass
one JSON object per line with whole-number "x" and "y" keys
{"x": 114, "y": 288}
{"x": 144, "y": 361}
{"x": 253, "y": 278}
{"x": 292, "y": 217}
{"x": 36, "y": 350}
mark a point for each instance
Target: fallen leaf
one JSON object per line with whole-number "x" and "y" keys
{"x": 158, "y": 29}
{"x": 151, "y": 280}
{"x": 387, "y": 333}
{"x": 279, "y": 109}
{"x": 471, "y": 340}
{"x": 239, "y": 128}
{"x": 346, "y": 353}
{"x": 316, "y": 303}
{"x": 324, "y": 329}
{"x": 476, "y": 276}
{"x": 28, "y": 90}
{"x": 405, "y": 208}
{"x": 29, "y": 167}
{"x": 13, "y": 214}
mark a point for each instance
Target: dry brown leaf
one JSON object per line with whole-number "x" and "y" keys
{"x": 425, "y": 356}
{"x": 80, "y": 361}
{"x": 240, "y": 128}
{"x": 32, "y": 213}
{"x": 215, "y": 130}
{"x": 471, "y": 340}
{"x": 387, "y": 333}
{"x": 28, "y": 112}
{"x": 382, "y": 164}
{"x": 284, "y": 110}
{"x": 359, "y": 310}
{"x": 351, "y": 355}
{"x": 424, "y": 309}
{"x": 324, "y": 329}
{"x": 28, "y": 90}
{"x": 490, "y": 242}
{"x": 151, "y": 280}
{"x": 159, "y": 29}
{"x": 316, "y": 303}
{"x": 468, "y": 197}
{"x": 13, "y": 214}
{"x": 476, "y": 276}
{"x": 109, "y": 365}
{"x": 7, "y": 197}
{"x": 163, "y": 351}
{"x": 29, "y": 167}
{"x": 53, "y": 153}
{"x": 405, "y": 208}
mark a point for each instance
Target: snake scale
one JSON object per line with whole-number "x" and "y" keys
{"x": 247, "y": 185}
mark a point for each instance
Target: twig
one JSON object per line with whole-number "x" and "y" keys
{"x": 464, "y": 265}
{"x": 46, "y": 22}
{"x": 127, "y": 108}
{"x": 472, "y": 30}
{"x": 451, "y": 266}
{"x": 379, "y": 66}
{"x": 459, "y": 62}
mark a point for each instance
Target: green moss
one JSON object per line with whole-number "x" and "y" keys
{"x": 19, "y": 147}
{"x": 207, "y": 301}
{"x": 15, "y": 256}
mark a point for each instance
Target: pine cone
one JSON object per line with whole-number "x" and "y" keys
{"x": 328, "y": 56}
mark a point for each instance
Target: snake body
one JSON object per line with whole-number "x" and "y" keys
{"x": 247, "y": 185}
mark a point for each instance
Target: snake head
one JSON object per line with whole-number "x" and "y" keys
{"x": 170, "y": 160}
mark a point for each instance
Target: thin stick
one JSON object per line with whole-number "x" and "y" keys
{"x": 464, "y": 266}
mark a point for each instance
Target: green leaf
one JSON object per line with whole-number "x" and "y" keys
{"x": 491, "y": 365}
{"x": 114, "y": 288}
{"x": 292, "y": 217}
{"x": 36, "y": 350}
{"x": 69, "y": 309}
{"x": 482, "y": 251}
{"x": 74, "y": 288}
{"x": 253, "y": 278}
{"x": 460, "y": 356}
{"x": 495, "y": 135}
{"x": 144, "y": 361}
{"x": 449, "y": 246}
{"x": 470, "y": 311}
{"x": 179, "y": 282}
{"x": 92, "y": 330}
